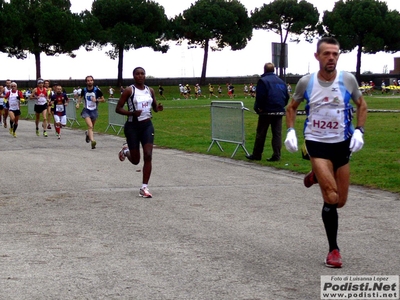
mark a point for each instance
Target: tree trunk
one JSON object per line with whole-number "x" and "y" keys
{"x": 120, "y": 64}
{"x": 358, "y": 67}
{"x": 37, "y": 62}
{"x": 204, "y": 69}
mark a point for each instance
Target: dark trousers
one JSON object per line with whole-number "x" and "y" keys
{"x": 262, "y": 128}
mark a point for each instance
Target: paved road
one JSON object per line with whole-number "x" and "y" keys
{"x": 73, "y": 226}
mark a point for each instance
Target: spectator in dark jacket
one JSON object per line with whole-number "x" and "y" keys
{"x": 271, "y": 98}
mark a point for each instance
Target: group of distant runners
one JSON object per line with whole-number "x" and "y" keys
{"x": 48, "y": 103}
{"x": 185, "y": 91}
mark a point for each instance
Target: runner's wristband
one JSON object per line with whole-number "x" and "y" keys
{"x": 361, "y": 128}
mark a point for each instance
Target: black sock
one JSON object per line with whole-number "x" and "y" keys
{"x": 11, "y": 124}
{"x": 331, "y": 222}
{"x": 15, "y": 127}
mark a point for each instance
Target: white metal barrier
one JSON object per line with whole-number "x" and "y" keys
{"x": 71, "y": 111}
{"x": 227, "y": 124}
{"x": 31, "y": 109}
{"x": 115, "y": 120}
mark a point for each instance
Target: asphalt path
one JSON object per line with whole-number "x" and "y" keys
{"x": 74, "y": 227}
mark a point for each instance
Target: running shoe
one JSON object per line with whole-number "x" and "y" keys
{"x": 48, "y": 126}
{"x": 94, "y": 144}
{"x": 334, "y": 260}
{"x": 14, "y": 134}
{"x": 121, "y": 153}
{"x": 144, "y": 192}
{"x": 87, "y": 139}
{"x": 44, "y": 133}
{"x": 37, "y": 132}
{"x": 11, "y": 131}
{"x": 310, "y": 179}
{"x": 59, "y": 136}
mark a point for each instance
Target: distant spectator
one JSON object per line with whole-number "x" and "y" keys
{"x": 196, "y": 91}
{"x": 161, "y": 91}
{"x": 252, "y": 90}
{"x": 76, "y": 94}
{"x": 395, "y": 86}
{"x": 79, "y": 90}
{"x": 28, "y": 92}
{"x": 245, "y": 91}
{"x": 181, "y": 90}
{"x": 231, "y": 91}
{"x": 111, "y": 91}
{"x": 383, "y": 86}
{"x": 219, "y": 91}
{"x": 188, "y": 89}
{"x": 289, "y": 88}
{"x": 211, "y": 91}
{"x": 372, "y": 85}
{"x": 185, "y": 92}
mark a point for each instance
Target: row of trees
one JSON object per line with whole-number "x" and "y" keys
{"x": 49, "y": 27}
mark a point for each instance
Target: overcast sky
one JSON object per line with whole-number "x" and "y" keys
{"x": 182, "y": 62}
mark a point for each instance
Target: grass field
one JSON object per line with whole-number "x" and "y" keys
{"x": 186, "y": 125}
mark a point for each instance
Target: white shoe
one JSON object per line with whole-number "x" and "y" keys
{"x": 121, "y": 154}
{"x": 144, "y": 192}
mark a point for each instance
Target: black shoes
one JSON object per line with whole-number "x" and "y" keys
{"x": 251, "y": 157}
{"x": 273, "y": 158}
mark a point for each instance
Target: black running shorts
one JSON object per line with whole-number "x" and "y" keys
{"x": 40, "y": 108}
{"x": 139, "y": 133}
{"x": 337, "y": 153}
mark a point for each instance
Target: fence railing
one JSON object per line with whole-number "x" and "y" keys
{"x": 227, "y": 124}
{"x": 71, "y": 111}
{"x": 115, "y": 121}
{"x": 31, "y": 109}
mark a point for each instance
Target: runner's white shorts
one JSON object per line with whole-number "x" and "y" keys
{"x": 60, "y": 119}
